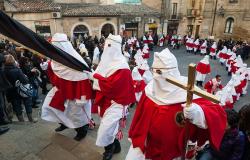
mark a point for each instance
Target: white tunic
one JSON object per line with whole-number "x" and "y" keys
{"x": 76, "y": 114}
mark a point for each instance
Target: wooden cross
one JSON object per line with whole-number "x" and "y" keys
{"x": 190, "y": 87}
{"x": 191, "y": 90}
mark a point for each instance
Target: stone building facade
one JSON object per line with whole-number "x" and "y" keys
{"x": 231, "y": 19}
{"x": 74, "y": 17}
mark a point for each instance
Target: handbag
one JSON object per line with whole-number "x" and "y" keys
{"x": 24, "y": 90}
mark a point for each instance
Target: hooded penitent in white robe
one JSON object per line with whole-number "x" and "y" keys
{"x": 204, "y": 47}
{"x": 77, "y": 112}
{"x": 112, "y": 64}
{"x": 203, "y": 68}
{"x": 196, "y": 45}
{"x": 145, "y": 72}
{"x": 161, "y": 41}
{"x": 226, "y": 95}
{"x": 149, "y": 128}
{"x": 222, "y": 54}
{"x": 96, "y": 56}
{"x": 139, "y": 83}
{"x": 213, "y": 49}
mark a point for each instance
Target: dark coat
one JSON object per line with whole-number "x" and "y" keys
{"x": 13, "y": 74}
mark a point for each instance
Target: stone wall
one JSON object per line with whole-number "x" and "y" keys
{"x": 238, "y": 11}
{"x": 94, "y": 24}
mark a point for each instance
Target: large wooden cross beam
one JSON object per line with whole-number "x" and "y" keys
{"x": 190, "y": 87}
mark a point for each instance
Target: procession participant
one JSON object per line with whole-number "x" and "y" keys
{"x": 213, "y": 50}
{"x": 222, "y": 55}
{"x": 114, "y": 93}
{"x": 213, "y": 85}
{"x": 196, "y": 45}
{"x": 69, "y": 101}
{"x": 202, "y": 69}
{"x": 163, "y": 102}
{"x": 139, "y": 83}
{"x": 203, "y": 48}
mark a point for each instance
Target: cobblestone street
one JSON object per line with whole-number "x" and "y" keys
{"x": 39, "y": 141}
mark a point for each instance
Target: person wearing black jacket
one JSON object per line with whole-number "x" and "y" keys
{"x": 13, "y": 73}
{"x": 2, "y": 89}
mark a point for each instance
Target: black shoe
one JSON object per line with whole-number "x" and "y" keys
{"x": 4, "y": 122}
{"x": 35, "y": 106}
{"x": 4, "y": 130}
{"x": 61, "y": 128}
{"x": 81, "y": 132}
{"x": 109, "y": 151}
{"x": 117, "y": 146}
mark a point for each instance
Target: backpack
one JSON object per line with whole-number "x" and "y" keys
{"x": 24, "y": 90}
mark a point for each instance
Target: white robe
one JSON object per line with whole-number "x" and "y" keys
{"x": 96, "y": 56}
{"x": 200, "y": 76}
{"x": 110, "y": 124}
{"x": 77, "y": 113}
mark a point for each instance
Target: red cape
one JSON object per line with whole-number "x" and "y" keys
{"x": 68, "y": 90}
{"x": 212, "y": 50}
{"x": 117, "y": 87}
{"x": 155, "y": 131}
{"x": 203, "y": 68}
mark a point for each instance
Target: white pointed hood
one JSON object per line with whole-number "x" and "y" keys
{"x": 159, "y": 90}
{"x": 61, "y": 41}
{"x": 205, "y": 60}
{"x": 112, "y": 58}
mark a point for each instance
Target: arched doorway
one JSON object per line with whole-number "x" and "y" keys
{"x": 80, "y": 30}
{"x": 107, "y": 29}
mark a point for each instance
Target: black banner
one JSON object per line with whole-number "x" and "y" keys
{"x": 23, "y": 35}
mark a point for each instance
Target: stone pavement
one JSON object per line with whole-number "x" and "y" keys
{"x": 40, "y": 142}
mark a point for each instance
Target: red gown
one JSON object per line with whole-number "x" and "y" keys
{"x": 118, "y": 87}
{"x": 155, "y": 131}
{"x": 203, "y": 68}
{"x": 67, "y": 90}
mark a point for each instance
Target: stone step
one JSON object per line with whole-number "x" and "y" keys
{"x": 54, "y": 152}
{"x": 63, "y": 147}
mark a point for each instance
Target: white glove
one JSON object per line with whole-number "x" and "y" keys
{"x": 195, "y": 115}
{"x": 135, "y": 154}
{"x": 90, "y": 75}
{"x": 44, "y": 66}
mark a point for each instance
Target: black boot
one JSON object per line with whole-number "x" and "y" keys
{"x": 81, "y": 132}
{"x": 197, "y": 83}
{"x": 61, "y": 128}
{"x": 4, "y": 130}
{"x": 117, "y": 146}
{"x": 201, "y": 84}
{"x": 109, "y": 150}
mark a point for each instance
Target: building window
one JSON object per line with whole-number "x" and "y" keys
{"x": 229, "y": 25}
{"x": 233, "y": 1}
{"x": 174, "y": 11}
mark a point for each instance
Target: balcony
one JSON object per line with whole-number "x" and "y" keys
{"x": 175, "y": 17}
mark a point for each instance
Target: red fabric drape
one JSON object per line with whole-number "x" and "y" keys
{"x": 68, "y": 90}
